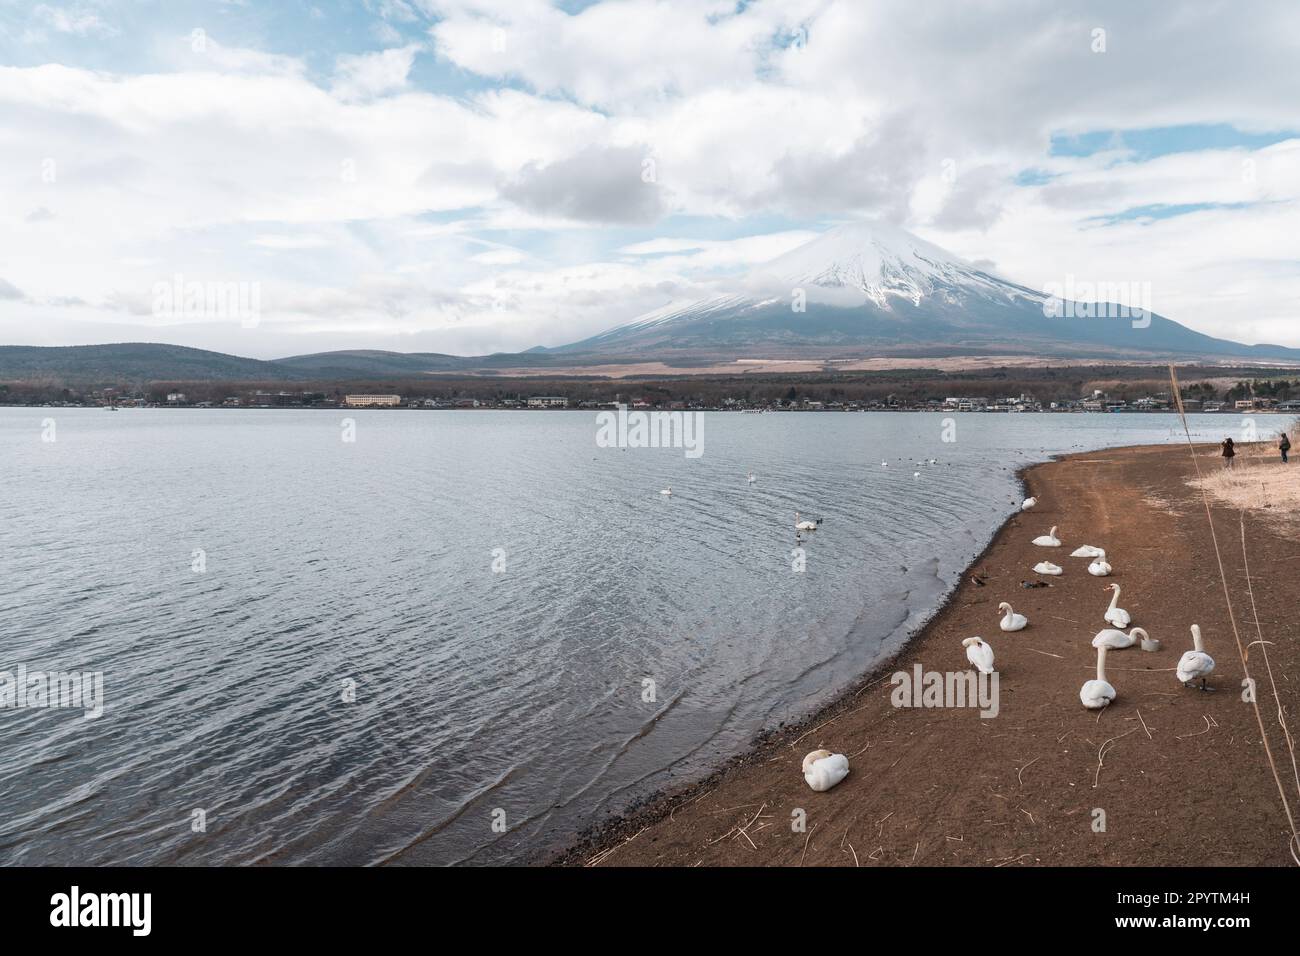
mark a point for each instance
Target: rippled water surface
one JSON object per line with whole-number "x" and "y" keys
{"x": 331, "y": 564}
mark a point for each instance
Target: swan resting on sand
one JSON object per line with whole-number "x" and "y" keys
{"x": 1195, "y": 663}
{"x": 1049, "y": 540}
{"x": 1096, "y": 694}
{"x": 823, "y": 769}
{"x": 1087, "y": 551}
{"x": 1030, "y": 504}
{"x": 1047, "y": 567}
{"x": 1012, "y": 621}
{"x": 1115, "y": 614}
{"x": 1100, "y": 568}
{"x": 1118, "y": 640}
{"x": 979, "y": 654}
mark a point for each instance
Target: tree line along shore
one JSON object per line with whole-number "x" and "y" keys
{"x": 1103, "y": 388}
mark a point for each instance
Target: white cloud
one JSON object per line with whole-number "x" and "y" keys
{"x": 373, "y": 74}
{"x": 512, "y": 208}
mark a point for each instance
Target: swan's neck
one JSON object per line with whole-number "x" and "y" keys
{"x": 1114, "y": 601}
{"x": 1101, "y": 663}
{"x": 1196, "y": 640}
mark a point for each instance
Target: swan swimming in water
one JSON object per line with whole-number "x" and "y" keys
{"x": 1195, "y": 663}
{"x": 752, "y": 479}
{"x": 1012, "y": 621}
{"x": 1087, "y": 551}
{"x": 667, "y": 491}
{"x": 1115, "y": 614}
{"x": 1100, "y": 568}
{"x": 805, "y": 525}
{"x": 1049, "y": 540}
{"x": 1029, "y": 504}
{"x": 1118, "y": 640}
{"x": 1095, "y": 694}
{"x": 979, "y": 654}
{"x": 1047, "y": 567}
{"x": 823, "y": 769}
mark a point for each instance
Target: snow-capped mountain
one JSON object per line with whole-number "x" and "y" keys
{"x": 874, "y": 289}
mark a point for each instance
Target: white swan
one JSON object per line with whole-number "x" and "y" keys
{"x": 1195, "y": 663}
{"x": 667, "y": 491}
{"x": 979, "y": 654}
{"x": 1095, "y": 694}
{"x": 1087, "y": 551}
{"x": 1118, "y": 640}
{"x": 805, "y": 525}
{"x": 916, "y": 474}
{"x": 1047, "y": 567}
{"x": 1100, "y": 568}
{"x": 1149, "y": 643}
{"x": 752, "y": 479}
{"x": 1049, "y": 540}
{"x": 1012, "y": 621}
{"x": 1029, "y": 503}
{"x": 823, "y": 769}
{"x": 1115, "y": 614}
{"x": 884, "y": 464}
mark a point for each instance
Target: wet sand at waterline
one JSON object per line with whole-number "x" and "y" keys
{"x": 1180, "y": 774}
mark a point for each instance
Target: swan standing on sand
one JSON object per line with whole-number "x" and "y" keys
{"x": 1118, "y": 640}
{"x": 1195, "y": 663}
{"x": 979, "y": 654}
{"x": 1047, "y": 567}
{"x": 1100, "y": 568}
{"x": 1087, "y": 551}
{"x": 823, "y": 769}
{"x": 1029, "y": 504}
{"x": 1049, "y": 540}
{"x": 1012, "y": 621}
{"x": 1096, "y": 694}
{"x": 1115, "y": 614}
{"x": 805, "y": 525}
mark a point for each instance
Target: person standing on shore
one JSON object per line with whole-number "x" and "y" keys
{"x": 1284, "y": 446}
{"x": 1229, "y": 451}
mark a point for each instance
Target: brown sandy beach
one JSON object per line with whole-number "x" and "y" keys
{"x": 1181, "y": 774}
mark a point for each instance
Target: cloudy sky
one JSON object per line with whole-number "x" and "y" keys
{"x": 493, "y": 175}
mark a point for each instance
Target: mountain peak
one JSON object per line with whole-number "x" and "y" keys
{"x": 874, "y": 258}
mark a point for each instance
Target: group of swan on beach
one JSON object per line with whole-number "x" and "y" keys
{"x": 1194, "y": 665}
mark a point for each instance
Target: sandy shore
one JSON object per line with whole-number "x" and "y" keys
{"x": 1182, "y": 778}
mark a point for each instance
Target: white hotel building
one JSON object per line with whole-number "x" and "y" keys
{"x": 372, "y": 401}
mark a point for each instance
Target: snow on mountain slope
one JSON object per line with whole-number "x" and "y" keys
{"x": 871, "y": 287}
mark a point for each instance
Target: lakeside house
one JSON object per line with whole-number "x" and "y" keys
{"x": 372, "y": 401}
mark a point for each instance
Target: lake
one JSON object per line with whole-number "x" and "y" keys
{"x": 392, "y": 648}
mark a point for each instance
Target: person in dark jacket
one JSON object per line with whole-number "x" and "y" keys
{"x": 1284, "y": 446}
{"x": 1229, "y": 451}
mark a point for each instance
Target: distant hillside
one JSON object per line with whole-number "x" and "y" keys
{"x": 379, "y": 364}
{"x": 132, "y": 362}
{"x": 140, "y": 362}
